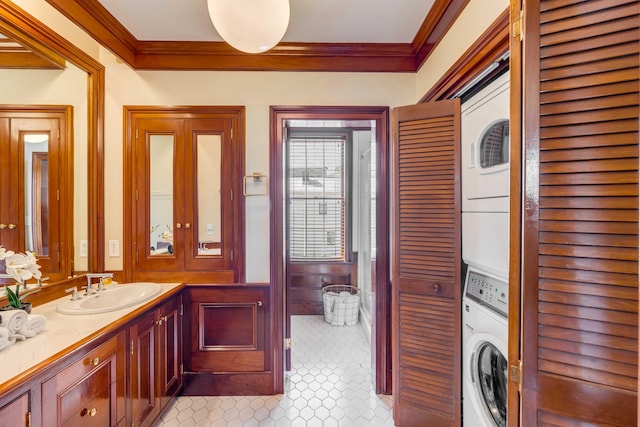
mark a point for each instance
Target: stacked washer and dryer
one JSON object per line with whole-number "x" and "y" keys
{"x": 485, "y": 250}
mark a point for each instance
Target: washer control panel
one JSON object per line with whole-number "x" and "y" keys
{"x": 489, "y": 291}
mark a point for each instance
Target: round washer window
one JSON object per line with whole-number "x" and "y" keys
{"x": 494, "y": 145}
{"x": 492, "y": 377}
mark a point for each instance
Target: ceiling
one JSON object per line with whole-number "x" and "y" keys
{"x": 326, "y": 35}
{"x": 311, "y": 21}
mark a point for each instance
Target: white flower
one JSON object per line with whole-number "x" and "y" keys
{"x": 19, "y": 266}
{"x": 4, "y": 254}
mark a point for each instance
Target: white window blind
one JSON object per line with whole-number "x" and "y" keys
{"x": 317, "y": 198}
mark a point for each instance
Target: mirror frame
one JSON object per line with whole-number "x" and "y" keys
{"x": 18, "y": 24}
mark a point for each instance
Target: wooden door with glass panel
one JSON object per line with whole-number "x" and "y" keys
{"x": 183, "y": 201}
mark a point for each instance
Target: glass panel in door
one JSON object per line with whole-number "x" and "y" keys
{"x": 161, "y": 201}
{"x": 208, "y": 222}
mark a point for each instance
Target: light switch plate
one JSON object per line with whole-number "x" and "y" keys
{"x": 114, "y": 248}
{"x": 84, "y": 248}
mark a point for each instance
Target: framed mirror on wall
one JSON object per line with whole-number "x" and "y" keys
{"x": 75, "y": 79}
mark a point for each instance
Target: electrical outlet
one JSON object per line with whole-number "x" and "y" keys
{"x": 84, "y": 248}
{"x": 114, "y": 248}
{"x": 209, "y": 229}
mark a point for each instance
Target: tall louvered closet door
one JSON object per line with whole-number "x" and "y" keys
{"x": 580, "y": 247}
{"x": 426, "y": 265}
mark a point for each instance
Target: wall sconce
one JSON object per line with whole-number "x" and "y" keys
{"x": 258, "y": 180}
{"x": 251, "y": 26}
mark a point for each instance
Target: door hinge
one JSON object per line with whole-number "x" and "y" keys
{"x": 232, "y": 255}
{"x": 29, "y": 419}
{"x": 181, "y": 310}
{"x": 287, "y": 343}
{"x": 181, "y": 369}
{"x": 58, "y": 132}
{"x": 515, "y": 374}
{"x": 132, "y": 347}
{"x": 136, "y": 255}
{"x": 136, "y": 133}
{"x": 58, "y": 195}
{"x": 136, "y": 194}
{"x": 517, "y": 28}
{"x": 231, "y": 194}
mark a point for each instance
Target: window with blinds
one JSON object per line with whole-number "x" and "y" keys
{"x": 316, "y": 183}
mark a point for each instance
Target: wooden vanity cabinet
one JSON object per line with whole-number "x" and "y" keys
{"x": 156, "y": 361}
{"x": 90, "y": 391}
{"x": 17, "y": 413}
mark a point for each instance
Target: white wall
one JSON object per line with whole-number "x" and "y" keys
{"x": 257, "y": 91}
{"x": 472, "y": 22}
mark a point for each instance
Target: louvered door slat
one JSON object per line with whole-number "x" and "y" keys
{"x": 426, "y": 257}
{"x": 581, "y": 231}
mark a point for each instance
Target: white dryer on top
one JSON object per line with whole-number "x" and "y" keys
{"x": 484, "y": 126}
{"x": 485, "y": 148}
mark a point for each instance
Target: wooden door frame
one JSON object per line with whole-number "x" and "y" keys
{"x": 382, "y": 308}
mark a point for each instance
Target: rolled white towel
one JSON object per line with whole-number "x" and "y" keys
{"x": 13, "y": 320}
{"x": 5, "y": 338}
{"x": 35, "y": 324}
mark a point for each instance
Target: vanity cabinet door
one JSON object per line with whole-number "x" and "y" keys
{"x": 144, "y": 399}
{"x": 16, "y": 413}
{"x": 169, "y": 354}
{"x": 90, "y": 391}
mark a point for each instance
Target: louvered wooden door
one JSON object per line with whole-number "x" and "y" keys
{"x": 426, "y": 265}
{"x": 580, "y": 247}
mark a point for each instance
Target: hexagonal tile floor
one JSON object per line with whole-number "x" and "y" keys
{"x": 329, "y": 385}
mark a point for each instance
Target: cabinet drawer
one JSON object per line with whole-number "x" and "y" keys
{"x": 89, "y": 391}
{"x": 88, "y": 400}
{"x": 88, "y": 362}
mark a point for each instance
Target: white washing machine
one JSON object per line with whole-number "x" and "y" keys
{"x": 485, "y": 177}
{"x": 484, "y": 349}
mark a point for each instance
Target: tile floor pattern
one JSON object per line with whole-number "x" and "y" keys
{"x": 329, "y": 385}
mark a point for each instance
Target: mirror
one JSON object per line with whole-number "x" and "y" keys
{"x": 209, "y": 152}
{"x": 161, "y": 196}
{"x": 63, "y": 76}
{"x": 36, "y": 188}
{"x": 207, "y": 238}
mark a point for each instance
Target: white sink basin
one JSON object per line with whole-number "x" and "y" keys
{"x": 111, "y": 299}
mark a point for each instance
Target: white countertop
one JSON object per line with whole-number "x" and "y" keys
{"x": 61, "y": 332}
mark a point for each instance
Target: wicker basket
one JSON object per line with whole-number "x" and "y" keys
{"x": 341, "y": 304}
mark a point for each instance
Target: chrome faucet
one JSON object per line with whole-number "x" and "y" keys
{"x": 101, "y": 277}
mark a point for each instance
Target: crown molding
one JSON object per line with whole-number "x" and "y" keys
{"x": 488, "y": 48}
{"x": 91, "y": 16}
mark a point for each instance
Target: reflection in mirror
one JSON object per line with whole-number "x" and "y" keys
{"x": 36, "y": 178}
{"x": 161, "y": 192}
{"x": 209, "y": 180}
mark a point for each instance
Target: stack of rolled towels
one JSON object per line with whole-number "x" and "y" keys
{"x": 18, "y": 325}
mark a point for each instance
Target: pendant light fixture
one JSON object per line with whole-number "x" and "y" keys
{"x": 251, "y": 26}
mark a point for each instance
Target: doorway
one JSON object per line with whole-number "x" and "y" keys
{"x": 334, "y": 256}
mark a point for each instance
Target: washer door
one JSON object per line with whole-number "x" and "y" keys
{"x": 491, "y": 371}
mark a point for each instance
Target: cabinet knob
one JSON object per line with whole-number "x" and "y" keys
{"x": 91, "y": 412}
{"x": 259, "y": 303}
{"x": 436, "y": 287}
{"x": 12, "y": 226}
{"x": 187, "y": 225}
{"x": 3, "y": 226}
{"x": 178, "y": 225}
{"x": 94, "y": 362}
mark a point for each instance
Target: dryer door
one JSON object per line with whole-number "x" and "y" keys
{"x": 491, "y": 371}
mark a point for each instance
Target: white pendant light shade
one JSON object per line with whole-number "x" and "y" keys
{"x": 252, "y": 26}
